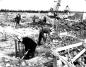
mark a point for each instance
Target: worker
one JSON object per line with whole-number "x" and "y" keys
{"x": 41, "y": 34}
{"x": 44, "y": 20}
{"x": 30, "y": 46}
{"x": 17, "y": 19}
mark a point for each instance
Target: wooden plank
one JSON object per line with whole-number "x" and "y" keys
{"x": 67, "y": 47}
{"x": 78, "y": 55}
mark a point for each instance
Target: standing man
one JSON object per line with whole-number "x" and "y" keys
{"x": 44, "y": 20}
{"x": 17, "y": 19}
{"x": 34, "y": 17}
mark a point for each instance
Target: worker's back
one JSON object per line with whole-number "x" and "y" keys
{"x": 30, "y": 46}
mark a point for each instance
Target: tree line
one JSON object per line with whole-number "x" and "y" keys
{"x": 29, "y": 11}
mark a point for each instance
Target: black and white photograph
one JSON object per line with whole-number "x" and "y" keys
{"x": 42, "y": 33}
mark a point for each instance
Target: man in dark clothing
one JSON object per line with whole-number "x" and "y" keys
{"x": 30, "y": 46}
{"x": 17, "y": 19}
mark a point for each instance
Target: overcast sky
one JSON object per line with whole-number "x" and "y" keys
{"x": 74, "y": 5}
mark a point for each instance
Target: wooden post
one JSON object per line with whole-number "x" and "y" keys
{"x": 16, "y": 47}
{"x": 23, "y": 49}
{"x": 55, "y": 62}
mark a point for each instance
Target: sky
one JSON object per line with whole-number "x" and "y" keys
{"x": 74, "y": 5}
